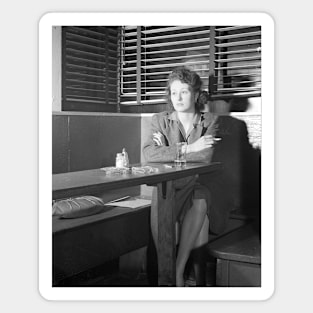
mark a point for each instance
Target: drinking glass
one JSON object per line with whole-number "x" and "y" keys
{"x": 180, "y": 158}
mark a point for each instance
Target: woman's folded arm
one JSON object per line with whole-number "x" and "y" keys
{"x": 156, "y": 148}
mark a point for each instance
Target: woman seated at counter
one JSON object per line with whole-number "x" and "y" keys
{"x": 200, "y": 204}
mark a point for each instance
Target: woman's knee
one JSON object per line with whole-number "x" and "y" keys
{"x": 200, "y": 205}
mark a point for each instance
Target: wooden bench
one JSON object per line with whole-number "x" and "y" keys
{"x": 83, "y": 243}
{"x": 238, "y": 257}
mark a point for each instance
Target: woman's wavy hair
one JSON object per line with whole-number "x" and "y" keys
{"x": 191, "y": 78}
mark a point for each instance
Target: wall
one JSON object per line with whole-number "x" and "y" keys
{"x": 56, "y": 68}
{"x": 85, "y": 141}
{"x": 254, "y": 126}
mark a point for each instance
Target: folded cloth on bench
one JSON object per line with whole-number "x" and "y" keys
{"x": 132, "y": 203}
{"x": 78, "y": 207}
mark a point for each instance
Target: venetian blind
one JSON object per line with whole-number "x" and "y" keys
{"x": 90, "y": 68}
{"x": 149, "y": 54}
{"x": 237, "y": 61}
{"x": 228, "y": 59}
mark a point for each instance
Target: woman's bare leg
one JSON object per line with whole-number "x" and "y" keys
{"x": 191, "y": 228}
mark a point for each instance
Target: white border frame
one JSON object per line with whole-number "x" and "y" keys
{"x": 45, "y": 158}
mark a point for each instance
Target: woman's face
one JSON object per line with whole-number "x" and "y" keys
{"x": 182, "y": 97}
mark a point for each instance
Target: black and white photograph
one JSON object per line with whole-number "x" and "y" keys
{"x": 155, "y": 134}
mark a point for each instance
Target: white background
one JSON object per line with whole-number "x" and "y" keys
{"x": 19, "y": 157}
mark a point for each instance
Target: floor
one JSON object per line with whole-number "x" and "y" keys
{"x": 110, "y": 276}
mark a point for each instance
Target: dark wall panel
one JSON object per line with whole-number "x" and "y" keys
{"x": 83, "y": 142}
{"x": 95, "y": 140}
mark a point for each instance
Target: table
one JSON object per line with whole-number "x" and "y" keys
{"x": 94, "y": 181}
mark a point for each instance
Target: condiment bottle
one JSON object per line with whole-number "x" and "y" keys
{"x": 125, "y": 157}
{"x": 119, "y": 161}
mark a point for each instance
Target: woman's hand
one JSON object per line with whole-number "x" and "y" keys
{"x": 157, "y": 138}
{"x": 202, "y": 143}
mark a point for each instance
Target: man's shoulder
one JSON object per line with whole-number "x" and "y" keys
{"x": 208, "y": 115}
{"x": 208, "y": 118}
